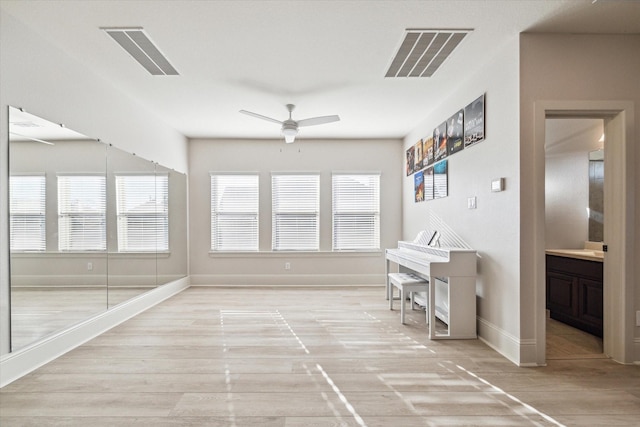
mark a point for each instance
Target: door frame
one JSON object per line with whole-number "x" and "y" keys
{"x": 618, "y": 292}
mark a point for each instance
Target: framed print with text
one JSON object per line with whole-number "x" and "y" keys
{"x": 427, "y": 151}
{"x": 440, "y": 180}
{"x": 455, "y": 132}
{"x": 428, "y": 183}
{"x": 440, "y": 142}
{"x": 474, "y": 122}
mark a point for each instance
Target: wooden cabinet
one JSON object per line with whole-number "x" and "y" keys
{"x": 574, "y": 292}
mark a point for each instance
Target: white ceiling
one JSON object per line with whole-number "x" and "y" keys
{"x": 327, "y": 57}
{"x": 573, "y": 135}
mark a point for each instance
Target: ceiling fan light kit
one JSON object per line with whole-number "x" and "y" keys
{"x": 289, "y": 130}
{"x": 290, "y": 126}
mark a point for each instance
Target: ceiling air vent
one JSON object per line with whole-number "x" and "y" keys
{"x": 138, "y": 44}
{"x": 422, "y": 52}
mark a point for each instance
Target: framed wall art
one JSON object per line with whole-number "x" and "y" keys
{"x": 418, "y": 180}
{"x": 440, "y": 142}
{"x": 440, "y": 180}
{"x": 455, "y": 132}
{"x": 474, "y": 122}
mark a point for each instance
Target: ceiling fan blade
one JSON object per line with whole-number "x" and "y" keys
{"x": 260, "y": 116}
{"x": 318, "y": 120}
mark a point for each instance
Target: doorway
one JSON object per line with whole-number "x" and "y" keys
{"x": 574, "y": 227}
{"x": 618, "y": 315}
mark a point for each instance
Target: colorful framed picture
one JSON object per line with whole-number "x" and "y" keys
{"x": 427, "y": 151}
{"x": 440, "y": 180}
{"x": 418, "y": 156}
{"x": 411, "y": 158}
{"x": 418, "y": 180}
{"x": 455, "y": 132}
{"x": 440, "y": 142}
{"x": 474, "y": 122}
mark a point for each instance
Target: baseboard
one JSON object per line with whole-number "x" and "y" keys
{"x": 19, "y": 363}
{"x": 288, "y": 279}
{"x": 90, "y": 280}
{"x": 59, "y": 280}
{"x": 506, "y": 344}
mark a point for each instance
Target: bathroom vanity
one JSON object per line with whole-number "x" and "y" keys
{"x": 574, "y": 287}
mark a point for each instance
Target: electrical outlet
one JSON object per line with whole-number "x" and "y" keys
{"x": 638, "y": 318}
{"x": 89, "y": 266}
{"x": 287, "y": 266}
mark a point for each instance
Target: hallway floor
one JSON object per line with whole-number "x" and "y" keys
{"x": 294, "y": 357}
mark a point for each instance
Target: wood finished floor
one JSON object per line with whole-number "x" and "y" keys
{"x": 307, "y": 357}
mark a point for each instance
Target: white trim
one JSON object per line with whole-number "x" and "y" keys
{"x": 278, "y": 280}
{"x": 95, "y": 281}
{"x": 500, "y": 340}
{"x": 618, "y": 338}
{"x": 296, "y": 254}
{"x": 19, "y": 363}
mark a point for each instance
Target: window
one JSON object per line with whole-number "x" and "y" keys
{"x": 356, "y": 211}
{"x": 81, "y": 213}
{"x": 295, "y": 212}
{"x": 142, "y": 204}
{"x": 234, "y": 212}
{"x": 27, "y": 213}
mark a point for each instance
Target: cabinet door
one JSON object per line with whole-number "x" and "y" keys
{"x": 590, "y": 304}
{"x": 562, "y": 293}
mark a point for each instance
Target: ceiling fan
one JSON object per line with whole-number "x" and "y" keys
{"x": 290, "y": 126}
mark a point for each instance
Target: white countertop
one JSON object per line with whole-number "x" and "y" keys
{"x": 586, "y": 254}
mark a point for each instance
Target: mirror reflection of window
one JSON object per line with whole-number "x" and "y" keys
{"x": 143, "y": 213}
{"x": 82, "y": 204}
{"x": 27, "y": 221}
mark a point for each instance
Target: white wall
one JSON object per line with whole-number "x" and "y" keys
{"x": 493, "y": 228}
{"x": 45, "y": 81}
{"x": 266, "y": 156}
{"x": 585, "y": 69}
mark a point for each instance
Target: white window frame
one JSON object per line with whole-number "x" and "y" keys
{"x": 27, "y": 213}
{"x": 235, "y": 212}
{"x": 355, "y": 211}
{"x": 295, "y": 211}
{"x": 142, "y": 209}
{"x": 82, "y": 213}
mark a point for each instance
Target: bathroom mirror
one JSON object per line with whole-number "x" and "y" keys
{"x": 596, "y": 196}
{"x": 91, "y": 226}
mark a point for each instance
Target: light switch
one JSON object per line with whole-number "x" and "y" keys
{"x": 472, "y": 202}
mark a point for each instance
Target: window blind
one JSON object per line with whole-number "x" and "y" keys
{"x": 27, "y": 222}
{"x": 295, "y": 212}
{"x": 356, "y": 211}
{"x": 234, "y": 212}
{"x": 142, "y": 205}
{"x": 81, "y": 213}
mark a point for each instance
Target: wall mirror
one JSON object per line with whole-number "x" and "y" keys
{"x": 596, "y": 195}
{"x": 91, "y": 226}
